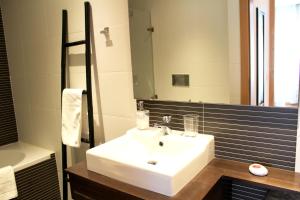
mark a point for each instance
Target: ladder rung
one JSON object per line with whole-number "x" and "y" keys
{"x": 85, "y": 140}
{"x": 70, "y": 44}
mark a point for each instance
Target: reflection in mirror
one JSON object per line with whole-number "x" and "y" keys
{"x": 260, "y": 23}
{"x": 191, "y": 51}
{"x": 287, "y": 52}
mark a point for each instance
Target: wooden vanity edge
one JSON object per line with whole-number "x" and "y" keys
{"x": 202, "y": 183}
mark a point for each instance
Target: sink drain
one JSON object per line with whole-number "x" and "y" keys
{"x": 152, "y": 162}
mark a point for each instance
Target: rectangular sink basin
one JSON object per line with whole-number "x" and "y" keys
{"x": 147, "y": 159}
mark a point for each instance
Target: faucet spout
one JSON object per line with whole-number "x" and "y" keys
{"x": 165, "y": 129}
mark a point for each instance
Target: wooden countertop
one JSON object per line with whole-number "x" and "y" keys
{"x": 198, "y": 187}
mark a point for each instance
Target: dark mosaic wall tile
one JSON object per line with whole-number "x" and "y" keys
{"x": 253, "y": 134}
{"x": 244, "y": 133}
{"x": 158, "y": 109}
{"x": 8, "y": 127}
{"x": 39, "y": 181}
{"x": 241, "y": 190}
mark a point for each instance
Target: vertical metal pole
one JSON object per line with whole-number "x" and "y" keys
{"x": 63, "y": 86}
{"x": 89, "y": 73}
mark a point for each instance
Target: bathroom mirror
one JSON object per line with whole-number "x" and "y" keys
{"x": 192, "y": 50}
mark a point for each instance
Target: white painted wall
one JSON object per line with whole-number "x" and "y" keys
{"x": 33, "y": 37}
{"x": 191, "y": 37}
{"x": 198, "y": 37}
{"x": 234, "y": 51}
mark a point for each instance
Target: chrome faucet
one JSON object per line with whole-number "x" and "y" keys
{"x": 165, "y": 129}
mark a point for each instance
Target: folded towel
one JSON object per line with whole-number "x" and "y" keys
{"x": 72, "y": 117}
{"x": 8, "y": 187}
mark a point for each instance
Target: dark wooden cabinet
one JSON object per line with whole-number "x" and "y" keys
{"x": 219, "y": 180}
{"x": 84, "y": 189}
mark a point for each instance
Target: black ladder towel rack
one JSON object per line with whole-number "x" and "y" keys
{"x": 88, "y": 91}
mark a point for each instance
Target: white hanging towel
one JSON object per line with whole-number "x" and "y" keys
{"x": 72, "y": 117}
{"x": 85, "y": 128}
{"x": 8, "y": 187}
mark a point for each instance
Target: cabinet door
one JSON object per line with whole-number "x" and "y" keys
{"x": 84, "y": 189}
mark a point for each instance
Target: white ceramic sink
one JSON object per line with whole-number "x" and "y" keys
{"x": 147, "y": 159}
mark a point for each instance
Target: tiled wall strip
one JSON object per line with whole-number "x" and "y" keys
{"x": 241, "y": 190}
{"x": 8, "y": 127}
{"x": 39, "y": 181}
{"x": 253, "y": 134}
{"x": 158, "y": 109}
{"x": 233, "y": 189}
{"x": 282, "y": 195}
{"x": 244, "y": 133}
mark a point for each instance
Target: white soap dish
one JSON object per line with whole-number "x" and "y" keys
{"x": 258, "y": 170}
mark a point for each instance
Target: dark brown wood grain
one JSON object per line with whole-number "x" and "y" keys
{"x": 272, "y": 52}
{"x": 245, "y": 52}
{"x": 85, "y": 182}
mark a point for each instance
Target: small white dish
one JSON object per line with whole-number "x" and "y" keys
{"x": 258, "y": 170}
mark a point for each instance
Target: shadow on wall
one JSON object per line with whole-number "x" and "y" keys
{"x": 78, "y": 154}
{"x": 8, "y": 125}
{"x": 96, "y": 80}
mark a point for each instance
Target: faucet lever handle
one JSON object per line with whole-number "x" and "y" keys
{"x": 167, "y": 119}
